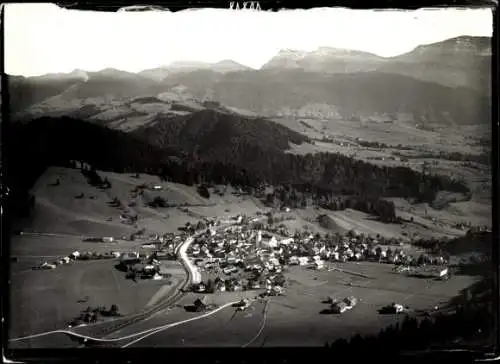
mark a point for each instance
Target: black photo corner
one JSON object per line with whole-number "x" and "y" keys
{"x": 213, "y": 162}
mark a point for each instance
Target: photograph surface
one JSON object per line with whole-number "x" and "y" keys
{"x": 242, "y": 178}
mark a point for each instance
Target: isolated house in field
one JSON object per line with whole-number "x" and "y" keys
{"x": 200, "y": 287}
{"x": 75, "y": 255}
{"x": 130, "y": 258}
{"x": 442, "y": 272}
{"x": 398, "y": 308}
{"x": 351, "y": 301}
{"x": 107, "y": 239}
{"x": 339, "y": 307}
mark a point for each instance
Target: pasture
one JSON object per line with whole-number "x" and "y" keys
{"x": 47, "y": 300}
{"x": 296, "y": 319}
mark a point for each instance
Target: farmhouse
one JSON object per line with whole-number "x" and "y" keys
{"x": 351, "y": 301}
{"x": 161, "y": 255}
{"x": 130, "y": 258}
{"x": 339, "y": 307}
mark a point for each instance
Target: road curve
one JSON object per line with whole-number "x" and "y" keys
{"x": 261, "y": 327}
{"x": 194, "y": 274}
{"x": 147, "y": 332}
{"x": 168, "y": 326}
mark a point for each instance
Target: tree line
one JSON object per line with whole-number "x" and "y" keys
{"x": 325, "y": 177}
{"x": 471, "y": 320}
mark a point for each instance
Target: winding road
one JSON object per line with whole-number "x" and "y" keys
{"x": 193, "y": 276}
{"x": 144, "y": 333}
{"x": 262, "y": 326}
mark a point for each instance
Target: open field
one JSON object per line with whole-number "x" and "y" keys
{"x": 225, "y": 328}
{"x": 295, "y": 319}
{"x": 399, "y": 132}
{"x": 344, "y": 137}
{"x": 47, "y": 300}
{"x": 344, "y": 140}
{"x": 57, "y": 210}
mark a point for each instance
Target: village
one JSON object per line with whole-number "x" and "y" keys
{"x": 245, "y": 254}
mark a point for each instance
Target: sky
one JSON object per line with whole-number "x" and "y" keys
{"x": 43, "y": 38}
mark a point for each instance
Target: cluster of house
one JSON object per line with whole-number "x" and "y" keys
{"x": 76, "y": 255}
{"x": 341, "y": 306}
{"x": 236, "y": 259}
{"x": 146, "y": 266}
{"x": 105, "y": 239}
{"x": 240, "y": 249}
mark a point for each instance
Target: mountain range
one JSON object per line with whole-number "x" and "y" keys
{"x": 461, "y": 61}
{"x": 446, "y": 82}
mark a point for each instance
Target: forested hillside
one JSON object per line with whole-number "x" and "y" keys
{"x": 216, "y": 152}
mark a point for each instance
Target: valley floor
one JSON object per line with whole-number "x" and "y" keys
{"x": 47, "y": 300}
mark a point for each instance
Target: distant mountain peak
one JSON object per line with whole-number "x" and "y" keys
{"x": 332, "y": 51}
{"x": 228, "y": 62}
{"x": 113, "y": 72}
{"x": 291, "y": 53}
{"x": 187, "y": 64}
{"x": 464, "y": 43}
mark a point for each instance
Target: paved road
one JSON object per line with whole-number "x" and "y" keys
{"x": 166, "y": 327}
{"x": 194, "y": 276}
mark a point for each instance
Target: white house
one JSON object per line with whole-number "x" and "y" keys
{"x": 442, "y": 272}
{"x": 319, "y": 264}
{"x": 157, "y": 277}
{"x": 107, "y": 239}
{"x": 286, "y": 241}
{"x": 75, "y": 255}
{"x": 271, "y": 243}
{"x": 303, "y": 260}
{"x": 398, "y": 308}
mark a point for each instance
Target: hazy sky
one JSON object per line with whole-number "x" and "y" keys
{"x": 42, "y": 38}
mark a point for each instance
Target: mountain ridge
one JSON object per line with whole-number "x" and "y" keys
{"x": 459, "y": 85}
